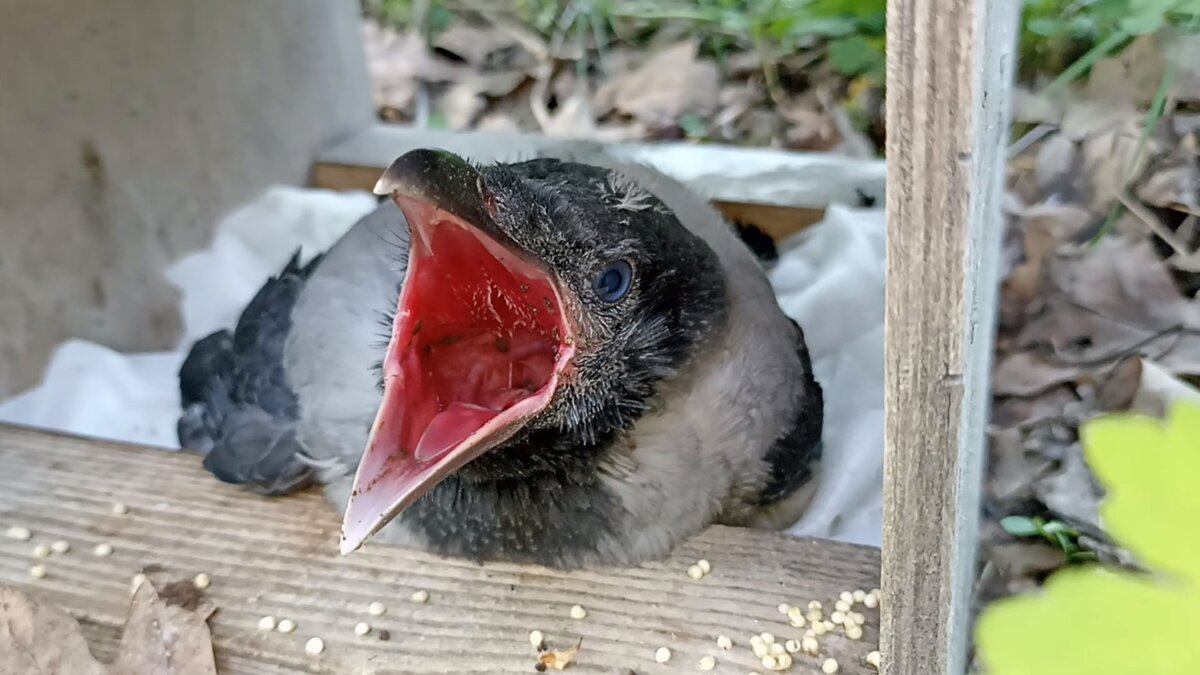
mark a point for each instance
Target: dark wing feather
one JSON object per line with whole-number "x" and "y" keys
{"x": 238, "y": 409}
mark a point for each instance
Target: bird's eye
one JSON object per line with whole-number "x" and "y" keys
{"x": 613, "y": 281}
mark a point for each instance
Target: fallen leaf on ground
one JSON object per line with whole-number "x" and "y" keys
{"x": 1117, "y": 299}
{"x": 670, "y": 83}
{"x": 555, "y": 660}
{"x": 165, "y": 633}
{"x": 399, "y": 62}
{"x": 37, "y": 638}
{"x": 477, "y": 45}
{"x": 1027, "y": 374}
{"x": 1132, "y": 76}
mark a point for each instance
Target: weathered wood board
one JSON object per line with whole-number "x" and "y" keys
{"x": 279, "y": 557}
{"x": 949, "y": 72}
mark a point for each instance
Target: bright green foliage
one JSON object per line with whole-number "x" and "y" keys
{"x": 1093, "y": 621}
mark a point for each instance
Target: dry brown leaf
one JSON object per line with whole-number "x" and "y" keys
{"x": 477, "y": 45}
{"x": 1157, "y": 389}
{"x": 1184, "y": 51}
{"x": 1012, "y": 469}
{"x": 165, "y": 633}
{"x": 555, "y": 660}
{"x": 670, "y": 83}
{"x": 1072, "y": 493}
{"x": 37, "y": 638}
{"x": 398, "y": 62}
{"x": 1027, "y": 374}
{"x": 1117, "y": 299}
{"x": 1132, "y": 76}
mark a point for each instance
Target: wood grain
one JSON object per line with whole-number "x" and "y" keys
{"x": 950, "y": 65}
{"x": 279, "y": 557}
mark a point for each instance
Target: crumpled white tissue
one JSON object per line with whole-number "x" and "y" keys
{"x": 829, "y": 278}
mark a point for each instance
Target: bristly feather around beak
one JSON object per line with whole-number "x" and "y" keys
{"x": 479, "y": 342}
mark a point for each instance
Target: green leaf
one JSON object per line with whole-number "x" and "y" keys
{"x": 853, "y": 55}
{"x": 1093, "y": 621}
{"x": 1020, "y": 526}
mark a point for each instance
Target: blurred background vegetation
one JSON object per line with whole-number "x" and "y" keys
{"x": 816, "y": 64}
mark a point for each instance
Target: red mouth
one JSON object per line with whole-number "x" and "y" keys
{"x": 478, "y": 345}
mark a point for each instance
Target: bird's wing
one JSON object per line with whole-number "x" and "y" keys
{"x": 341, "y": 326}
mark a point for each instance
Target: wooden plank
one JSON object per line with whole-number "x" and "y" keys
{"x": 950, "y": 68}
{"x": 279, "y": 557}
{"x": 780, "y": 192}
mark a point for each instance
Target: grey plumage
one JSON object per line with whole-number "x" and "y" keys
{"x": 696, "y": 405}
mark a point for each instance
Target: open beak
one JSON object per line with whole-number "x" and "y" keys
{"x": 478, "y": 344}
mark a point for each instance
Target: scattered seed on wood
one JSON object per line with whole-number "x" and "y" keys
{"x": 829, "y": 666}
{"x": 783, "y": 661}
{"x": 842, "y": 606}
{"x": 286, "y": 626}
{"x": 201, "y": 581}
{"x": 874, "y": 659}
{"x": 420, "y": 596}
{"x": 770, "y": 662}
{"x": 102, "y": 550}
{"x": 695, "y": 572}
{"x": 819, "y": 628}
{"x": 846, "y": 597}
{"x": 578, "y": 612}
{"x": 376, "y": 609}
{"x": 662, "y": 655}
{"x": 814, "y": 615}
{"x": 538, "y": 640}
{"x": 60, "y": 546}
{"x": 41, "y": 551}
{"x": 775, "y": 649}
{"x": 809, "y": 645}
{"x": 38, "y": 571}
{"x": 767, "y": 638}
{"x": 314, "y": 646}
{"x": 267, "y": 623}
{"x": 838, "y": 617}
{"x": 19, "y": 533}
{"x": 119, "y": 509}
{"x": 854, "y": 632}
{"x": 814, "y": 605}
{"x": 707, "y": 663}
{"x": 759, "y": 648}
{"x": 559, "y": 660}
{"x": 829, "y": 625}
{"x": 704, "y": 565}
{"x": 859, "y": 595}
{"x": 792, "y": 646}
{"x": 796, "y": 617}
{"x": 857, "y": 618}
{"x": 362, "y": 628}
{"x": 784, "y": 608}
{"x": 871, "y": 601}
{"x": 724, "y": 642}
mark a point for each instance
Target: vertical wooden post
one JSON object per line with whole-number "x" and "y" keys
{"x": 949, "y": 69}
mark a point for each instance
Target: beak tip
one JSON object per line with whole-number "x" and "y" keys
{"x": 383, "y": 186}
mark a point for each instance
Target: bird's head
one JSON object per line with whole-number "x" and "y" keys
{"x": 539, "y": 297}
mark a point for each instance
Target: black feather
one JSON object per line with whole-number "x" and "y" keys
{"x": 239, "y": 410}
